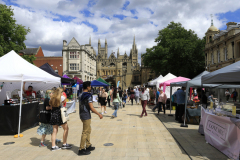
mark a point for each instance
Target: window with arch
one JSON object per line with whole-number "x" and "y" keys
{"x": 112, "y": 65}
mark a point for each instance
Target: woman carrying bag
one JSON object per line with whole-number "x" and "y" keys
{"x": 56, "y": 119}
{"x": 162, "y": 99}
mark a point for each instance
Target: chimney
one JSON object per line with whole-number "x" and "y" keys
{"x": 230, "y": 23}
{"x": 64, "y": 42}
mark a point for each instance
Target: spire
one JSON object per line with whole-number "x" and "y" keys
{"x": 105, "y": 40}
{"x": 211, "y": 20}
{"x": 90, "y": 41}
{"x": 134, "y": 39}
{"x": 98, "y": 40}
{"x": 118, "y": 50}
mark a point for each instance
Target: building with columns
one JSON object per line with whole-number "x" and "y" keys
{"x": 116, "y": 67}
{"x": 222, "y": 47}
{"x": 79, "y": 60}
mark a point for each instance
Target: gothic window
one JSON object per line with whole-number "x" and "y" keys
{"x": 112, "y": 65}
{"x": 111, "y": 72}
{"x": 102, "y": 65}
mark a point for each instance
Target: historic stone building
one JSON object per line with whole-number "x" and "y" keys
{"x": 123, "y": 68}
{"x": 222, "y": 47}
{"x": 79, "y": 60}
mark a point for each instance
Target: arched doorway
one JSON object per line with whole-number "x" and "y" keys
{"x": 112, "y": 81}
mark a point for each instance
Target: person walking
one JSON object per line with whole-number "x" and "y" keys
{"x": 132, "y": 95}
{"x": 56, "y": 119}
{"x": 124, "y": 98}
{"x": 109, "y": 96}
{"x": 99, "y": 96}
{"x": 136, "y": 95}
{"x": 120, "y": 92}
{"x": 85, "y": 105}
{"x": 157, "y": 103}
{"x": 116, "y": 101}
{"x": 162, "y": 99}
{"x": 104, "y": 97}
{"x": 128, "y": 93}
{"x": 144, "y": 97}
{"x": 180, "y": 99}
{"x": 227, "y": 94}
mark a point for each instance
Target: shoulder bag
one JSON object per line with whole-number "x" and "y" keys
{"x": 64, "y": 114}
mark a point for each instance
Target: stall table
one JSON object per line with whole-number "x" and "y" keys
{"x": 221, "y": 132}
{"x": 9, "y": 118}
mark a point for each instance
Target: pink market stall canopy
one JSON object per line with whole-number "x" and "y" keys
{"x": 167, "y": 83}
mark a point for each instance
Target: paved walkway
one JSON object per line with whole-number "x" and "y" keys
{"x": 134, "y": 138}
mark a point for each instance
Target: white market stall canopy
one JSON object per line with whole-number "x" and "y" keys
{"x": 15, "y": 69}
{"x": 165, "y": 78}
{"x": 153, "y": 82}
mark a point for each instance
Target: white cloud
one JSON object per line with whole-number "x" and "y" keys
{"x": 49, "y": 34}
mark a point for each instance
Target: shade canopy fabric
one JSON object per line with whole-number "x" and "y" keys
{"x": 154, "y": 81}
{"x": 96, "y": 83}
{"x": 103, "y": 81}
{"x": 167, "y": 83}
{"x": 165, "y": 78}
{"x": 227, "y": 75}
{"x": 15, "y": 69}
{"x": 46, "y": 67}
{"x": 79, "y": 81}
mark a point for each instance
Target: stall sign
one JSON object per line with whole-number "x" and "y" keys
{"x": 221, "y": 133}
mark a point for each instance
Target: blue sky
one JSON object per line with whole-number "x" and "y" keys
{"x": 52, "y": 21}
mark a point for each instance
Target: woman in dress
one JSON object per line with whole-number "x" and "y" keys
{"x": 104, "y": 96}
{"x": 116, "y": 101}
{"x": 56, "y": 119}
{"x": 45, "y": 115}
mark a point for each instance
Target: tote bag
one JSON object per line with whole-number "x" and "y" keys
{"x": 64, "y": 114}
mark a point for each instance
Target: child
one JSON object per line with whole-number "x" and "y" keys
{"x": 124, "y": 98}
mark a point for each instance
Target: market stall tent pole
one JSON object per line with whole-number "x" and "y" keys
{"x": 185, "y": 109}
{"x": 170, "y": 101}
{"x": 20, "y": 109}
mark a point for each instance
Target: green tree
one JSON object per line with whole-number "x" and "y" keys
{"x": 12, "y": 35}
{"x": 29, "y": 58}
{"x": 178, "y": 51}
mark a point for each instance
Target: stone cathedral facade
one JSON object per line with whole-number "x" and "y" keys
{"x": 116, "y": 67}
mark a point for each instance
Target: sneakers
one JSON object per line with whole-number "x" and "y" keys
{"x": 90, "y": 148}
{"x": 55, "y": 148}
{"x": 102, "y": 113}
{"x": 112, "y": 117}
{"x": 83, "y": 152}
{"x": 42, "y": 144}
{"x": 105, "y": 112}
{"x": 66, "y": 146}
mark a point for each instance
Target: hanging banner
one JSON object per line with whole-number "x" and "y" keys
{"x": 221, "y": 133}
{"x": 118, "y": 84}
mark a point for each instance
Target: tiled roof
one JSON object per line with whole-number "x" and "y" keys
{"x": 29, "y": 51}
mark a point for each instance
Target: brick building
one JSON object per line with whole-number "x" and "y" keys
{"x": 55, "y": 62}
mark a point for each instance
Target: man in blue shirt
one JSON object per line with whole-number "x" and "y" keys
{"x": 180, "y": 99}
{"x": 157, "y": 95}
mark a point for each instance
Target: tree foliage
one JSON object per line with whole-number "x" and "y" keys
{"x": 178, "y": 51}
{"x": 12, "y": 35}
{"x": 29, "y": 58}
